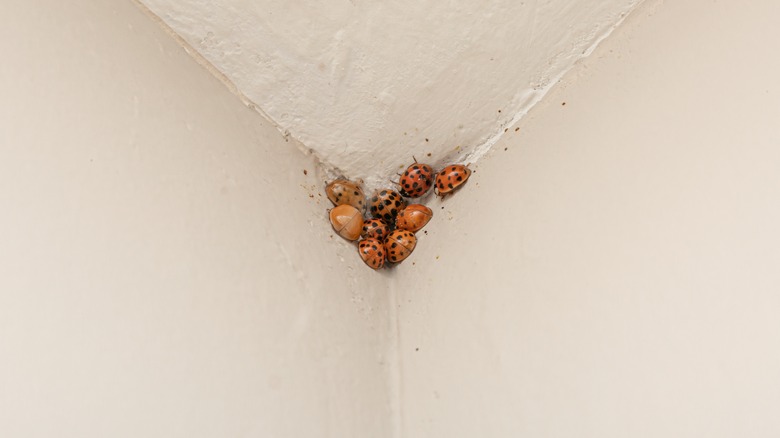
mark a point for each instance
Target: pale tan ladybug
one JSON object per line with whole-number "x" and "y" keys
{"x": 399, "y": 245}
{"x": 385, "y": 204}
{"x": 413, "y": 217}
{"x": 341, "y": 192}
{"x": 450, "y": 178}
{"x": 372, "y": 252}
{"x": 375, "y": 229}
{"x": 347, "y": 221}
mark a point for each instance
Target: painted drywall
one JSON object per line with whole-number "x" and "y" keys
{"x": 368, "y": 84}
{"x": 611, "y": 269}
{"x": 162, "y": 268}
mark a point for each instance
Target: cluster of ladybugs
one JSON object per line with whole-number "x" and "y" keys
{"x": 389, "y": 234}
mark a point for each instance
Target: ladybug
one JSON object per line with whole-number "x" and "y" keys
{"x": 399, "y": 245}
{"x": 342, "y": 192}
{"x": 347, "y": 221}
{"x": 385, "y": 204}
{"x": 450, "y": 178}
{"x": 413, "y": 217}
{"x": 417, "y": 180}
{"x": 372, "y": 252}
{"x": 375, "y": 229}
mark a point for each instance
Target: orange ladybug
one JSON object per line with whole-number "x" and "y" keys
{"x": 372, "y": 252}
{"x": 347, "y": 221}
{"x": 413, "y": 217}
{"x": 375, "y": 229}
{"x": 385, "y": 204}
{"x": 417, "y": 180}
{"x": 450, "y": 178}
{"x": 399, "y": 245}
{"x": 342, "y": 191}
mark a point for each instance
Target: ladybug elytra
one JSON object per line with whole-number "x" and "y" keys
{"x": 372, "y": 252}
{"x": 347, "y": 221}
{"x": 413, "y": 217}
{"x": 399, "y": 245}
{"x": 450, "y": 178}
{"x": 385, "y": 204}
{"x": 416, "y": 180}
{"x": 342, "y": 191}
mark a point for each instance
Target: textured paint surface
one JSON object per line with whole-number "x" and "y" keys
{"x": 368, "y": 84}
{"x": 611, "y": 269}
{"x": 166, "y": 267}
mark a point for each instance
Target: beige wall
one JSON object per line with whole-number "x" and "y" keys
{"x": 612, "y": 269}
{"x": 166, "y": 268}
{"x": 161, "y": 261}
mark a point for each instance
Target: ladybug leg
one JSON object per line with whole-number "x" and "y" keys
{"x": 415, "y": 159}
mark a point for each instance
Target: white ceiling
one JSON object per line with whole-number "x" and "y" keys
{"x": 368, "y": 84}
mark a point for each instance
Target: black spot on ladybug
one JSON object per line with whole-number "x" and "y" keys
{"x": 449, "y": 185}
{"x": 383, "y": 193}
{"x": 460, "y": 179}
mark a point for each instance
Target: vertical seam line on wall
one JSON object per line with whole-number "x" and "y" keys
{"x": 395, "y": 380}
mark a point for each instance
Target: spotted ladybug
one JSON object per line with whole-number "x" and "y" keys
{"x": 347, "y": 221}
{"x": 375, "y": 229}
{"x": 385, "y": 204}
{"x": 342, "y": 192}
{"x": 413, "y": 217}
{"x": 372, "y": 252}
{"x": 399, "y": 245}
{"x": 416, "y": 180}
{"x": 450, "y": 178}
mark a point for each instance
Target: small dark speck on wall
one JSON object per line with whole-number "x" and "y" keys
{"x": 305, "y": 172}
